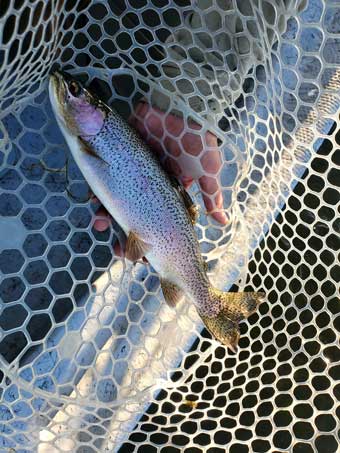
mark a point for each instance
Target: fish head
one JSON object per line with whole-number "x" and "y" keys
{"x": 77, "y": 111}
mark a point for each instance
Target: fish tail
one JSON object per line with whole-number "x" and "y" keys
{"x": 225, "y": 310}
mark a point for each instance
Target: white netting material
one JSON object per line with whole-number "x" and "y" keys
{"x": 87, "y": 344}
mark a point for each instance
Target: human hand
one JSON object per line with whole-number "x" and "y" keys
{"x": 179, "y": 153}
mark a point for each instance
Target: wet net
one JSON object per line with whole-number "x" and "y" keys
{"x": 92, "y": 359}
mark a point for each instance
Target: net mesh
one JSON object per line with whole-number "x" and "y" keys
{"x": 92, "y": 359}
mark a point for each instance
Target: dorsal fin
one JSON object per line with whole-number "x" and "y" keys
{"x": 192, "y": 208}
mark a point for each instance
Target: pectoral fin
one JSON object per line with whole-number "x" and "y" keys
{"x": 136, "y": 248}
{"x": 171, "y": 292}
{"x": 87, "y": 148}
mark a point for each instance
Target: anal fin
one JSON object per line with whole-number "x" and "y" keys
{"x": 171, "y": 292}
{"x": 136, "y": 248}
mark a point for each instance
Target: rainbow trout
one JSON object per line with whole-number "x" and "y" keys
{"x": 153, "y": 212}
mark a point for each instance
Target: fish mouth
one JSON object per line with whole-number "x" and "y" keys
{"x": 62, "y": 76}
{"x": 58, "y": 93}
{"x": 57, "y": 86}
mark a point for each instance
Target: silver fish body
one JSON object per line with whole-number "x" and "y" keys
{"x": 128, "y": 179}
{"x": 139, "y": 195}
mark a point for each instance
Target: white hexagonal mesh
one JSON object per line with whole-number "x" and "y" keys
{"x": 92, "y": 359}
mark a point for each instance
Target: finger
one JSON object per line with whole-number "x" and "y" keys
{"x": 147, "y": 120}
{"x": 171, "y": 146}
{"x": 174, "y": 125}
{"x": 186, "y": 181}
{"x": 141, "y": 124}
{"x": 140, "y": 127}
{"x": 94, "y": 199}
{"x": 192, "y": 143}
{"x": 118, "y": 249}
{"x": 152, "y": 118}
{"x": 211, "y": 162}
{"x": 140, "y": 111}
{"x": 154, "y": 143}
{"x": 153, "y": 123}
{"x": 103, "y": 223}
{"x": 213, "y": 199}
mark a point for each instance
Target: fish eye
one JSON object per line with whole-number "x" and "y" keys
{"x": 75, "y": 88}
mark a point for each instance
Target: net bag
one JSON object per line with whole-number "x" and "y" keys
{"x": 92, "y": 359}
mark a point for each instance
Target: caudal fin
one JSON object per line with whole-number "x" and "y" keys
{"x": 225, "y": 310}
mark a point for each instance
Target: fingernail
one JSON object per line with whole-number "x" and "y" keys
{"x": 221, "y": 217}
{"x": 101, "y": 225}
